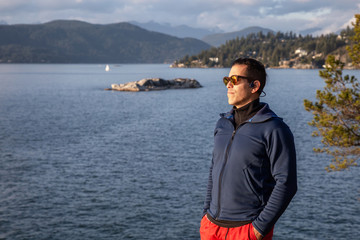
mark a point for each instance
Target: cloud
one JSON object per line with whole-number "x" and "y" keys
{"x": 229, "y": 15}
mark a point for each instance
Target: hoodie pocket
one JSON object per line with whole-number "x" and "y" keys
{"x": 252, "y": 183}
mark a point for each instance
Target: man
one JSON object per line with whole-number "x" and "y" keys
{"x": 253, "y": 171}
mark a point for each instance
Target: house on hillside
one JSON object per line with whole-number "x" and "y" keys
{"x": 214, "y": 59}
{"x": 301, "y": 52}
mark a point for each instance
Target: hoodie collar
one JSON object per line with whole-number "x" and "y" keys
{"x": 264, "y": 114}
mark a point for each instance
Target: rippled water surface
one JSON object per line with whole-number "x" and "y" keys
{"x": 78, "y": 162}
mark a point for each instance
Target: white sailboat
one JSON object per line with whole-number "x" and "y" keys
{"x": 107, "y": 68}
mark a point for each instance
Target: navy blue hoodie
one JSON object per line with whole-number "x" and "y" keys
{"x": 253, "y": 170}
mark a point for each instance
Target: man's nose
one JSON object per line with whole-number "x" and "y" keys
{"x": 230, "y": 85}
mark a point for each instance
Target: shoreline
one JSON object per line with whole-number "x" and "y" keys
{"x": 275, "y": 67}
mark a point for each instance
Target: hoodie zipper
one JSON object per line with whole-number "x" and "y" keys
{"x": 222, "y": 172}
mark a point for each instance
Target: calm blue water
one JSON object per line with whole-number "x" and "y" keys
{"x": 78, "y": 162}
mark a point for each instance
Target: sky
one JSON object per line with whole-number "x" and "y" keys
{"x": 227, "y": 15}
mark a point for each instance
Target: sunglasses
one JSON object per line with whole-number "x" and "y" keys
{"x": 234, "y": 79}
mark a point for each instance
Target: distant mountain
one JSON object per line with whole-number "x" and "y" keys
{"x": 64, "y": 41}
{"x": 2, "y": 22}
{"x": 221, "y": 38}
{"x": 177, "y": 31}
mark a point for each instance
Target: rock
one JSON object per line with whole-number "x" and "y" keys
{"x": 149, "y": 84}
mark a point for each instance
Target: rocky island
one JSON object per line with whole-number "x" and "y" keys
{"x": 149, "y": 84}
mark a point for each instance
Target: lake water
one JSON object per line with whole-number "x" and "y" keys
{"x": 78, "y": 162}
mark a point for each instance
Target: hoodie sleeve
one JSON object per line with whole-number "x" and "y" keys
{"x": 282, "y": 155}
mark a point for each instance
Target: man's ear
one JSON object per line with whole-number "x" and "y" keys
{"x": 255, "y": 86}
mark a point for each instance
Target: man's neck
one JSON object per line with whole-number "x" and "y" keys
{"x": 252, "y": 99}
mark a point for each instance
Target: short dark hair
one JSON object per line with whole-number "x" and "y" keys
{"x": 255, "y": 69}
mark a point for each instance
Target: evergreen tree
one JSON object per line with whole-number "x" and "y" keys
{"x": 337, "y": 112}
{"x": 354, "y": 49}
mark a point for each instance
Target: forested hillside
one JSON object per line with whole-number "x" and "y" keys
{"x": 80, "y": 42}
{"x": 274, "y": 50}
{"x": 219, "y": 39}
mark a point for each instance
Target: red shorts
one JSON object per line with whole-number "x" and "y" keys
{"x": 211, "y": 231}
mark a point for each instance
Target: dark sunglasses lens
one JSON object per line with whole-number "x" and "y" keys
{"x": 234, "y": 80}
{"x": 226, "y": 80}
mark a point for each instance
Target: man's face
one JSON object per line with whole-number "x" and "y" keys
{"x": 240, "y": 94}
